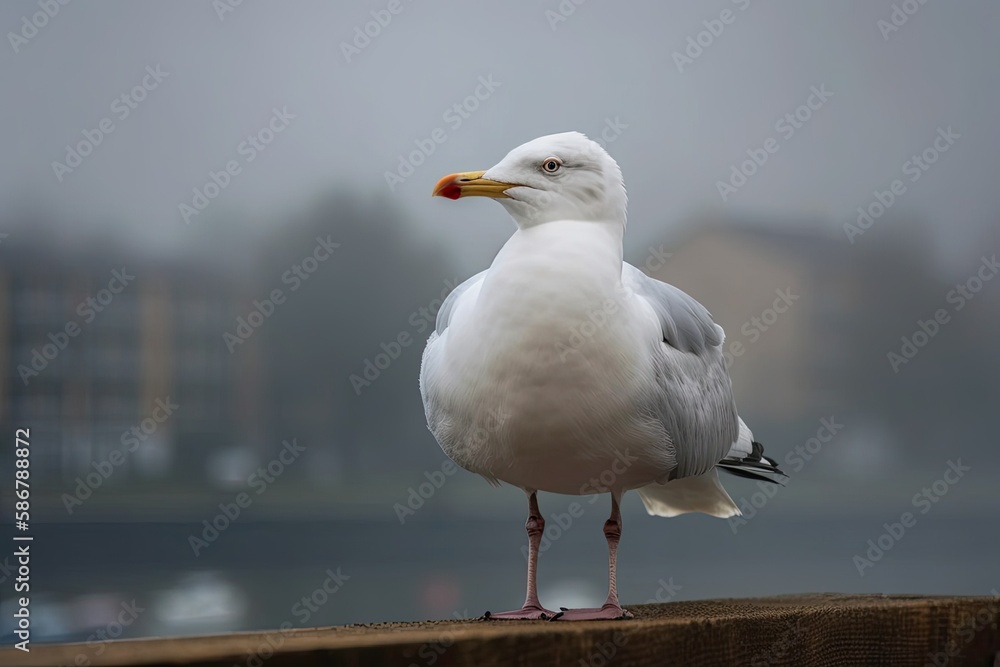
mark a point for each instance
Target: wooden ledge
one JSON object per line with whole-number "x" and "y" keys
{"x": 815, "y": 630}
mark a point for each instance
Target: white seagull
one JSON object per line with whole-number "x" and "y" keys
{"x": 562, "y": 368}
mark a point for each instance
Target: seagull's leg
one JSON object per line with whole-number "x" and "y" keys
{"x": 611, "y": 609}
{"x": 532, "y": 609}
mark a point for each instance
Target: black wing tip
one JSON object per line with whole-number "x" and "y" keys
{"x": 772, "y": 475}
{"x": 755, "y": 466}
{"x": 760, "y": 476}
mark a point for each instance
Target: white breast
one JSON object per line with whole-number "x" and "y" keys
{"x": 533, "y": 381}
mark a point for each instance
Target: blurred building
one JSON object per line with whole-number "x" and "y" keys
{"x": 809, "y": 319}
{"x": 94, "y": 352}
{"x": 825, "y": 352}
{"x": 785, "y": 299}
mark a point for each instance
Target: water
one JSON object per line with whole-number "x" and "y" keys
{"x": 258, "y": 575}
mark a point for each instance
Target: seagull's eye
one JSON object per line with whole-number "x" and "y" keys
{"x": 551, "y": 165}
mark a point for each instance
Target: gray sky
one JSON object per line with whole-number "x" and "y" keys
{"x": 606, "y": 61}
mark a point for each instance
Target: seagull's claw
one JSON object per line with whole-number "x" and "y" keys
{"x": 524, "y": 614}
{"x": 608, "y": 612}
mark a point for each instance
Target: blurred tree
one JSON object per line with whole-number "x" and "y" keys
{"x": 352, "y": 315}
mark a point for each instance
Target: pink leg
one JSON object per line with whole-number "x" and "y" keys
{"x": 611, "y": 609}
{"x": 532, "y": 609}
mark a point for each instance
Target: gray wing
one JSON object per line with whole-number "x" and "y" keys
{"x": 687, "y": 325}
{"x": 694, "y": 401}
{"x": 448, "y": 307}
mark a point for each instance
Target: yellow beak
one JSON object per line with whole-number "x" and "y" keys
{"x": 470, "y": 184}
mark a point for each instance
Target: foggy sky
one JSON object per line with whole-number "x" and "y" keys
{"x": 606, "y": 61}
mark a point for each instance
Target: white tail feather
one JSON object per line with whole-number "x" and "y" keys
{"x": 703, "y": 493}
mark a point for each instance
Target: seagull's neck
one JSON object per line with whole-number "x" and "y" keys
{"x": 540, "y": 258}
{"x": 597, "y": 242}
{"x": 545, "y": 281}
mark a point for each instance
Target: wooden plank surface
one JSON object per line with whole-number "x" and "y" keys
{"x": 816, "y": 630}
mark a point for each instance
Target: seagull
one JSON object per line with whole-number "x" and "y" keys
{"x": 561, "y": 368}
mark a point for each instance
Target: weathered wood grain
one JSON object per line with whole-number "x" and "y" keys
{"x": 816, "y": 630}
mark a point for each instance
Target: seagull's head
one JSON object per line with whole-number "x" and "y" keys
{"x": 556, "y": 177}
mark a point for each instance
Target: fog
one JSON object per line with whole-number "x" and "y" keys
{"x": 229, "y": 204}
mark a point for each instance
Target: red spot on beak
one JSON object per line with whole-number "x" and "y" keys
{"x": 450, "y": 190}
{"x": 449, "y": 186}
{"x": 467, "y": 184}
